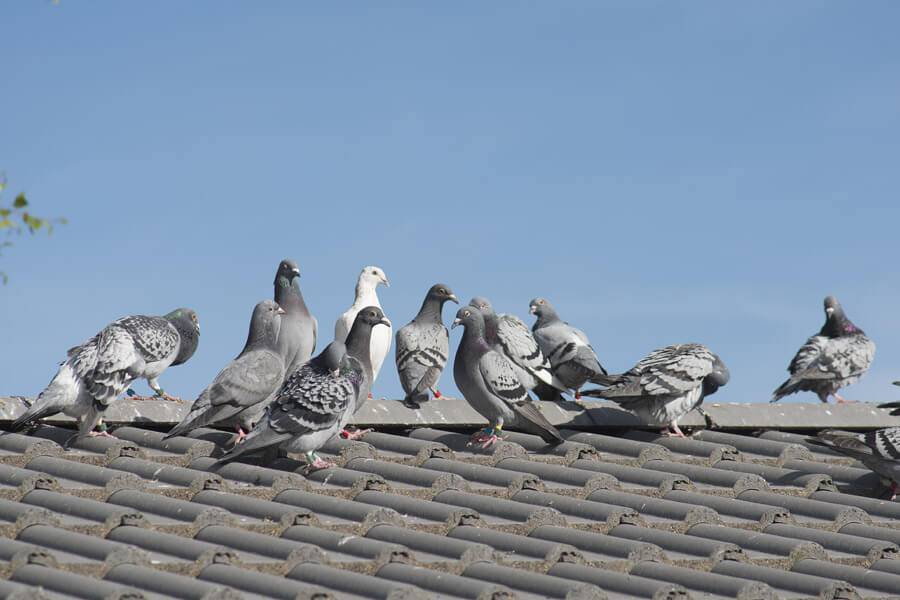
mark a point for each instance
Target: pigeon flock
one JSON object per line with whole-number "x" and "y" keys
{"x": 278, "y": 397}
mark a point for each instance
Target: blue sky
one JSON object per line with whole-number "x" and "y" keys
{"x": 663, "y": 172}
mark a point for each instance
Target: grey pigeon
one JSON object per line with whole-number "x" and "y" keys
{"x": 491, "y": 386}
{"x": 366, "y": 295}
{"x": 97, "y": 371}
{"x": 239, "y": 393}
{"x": 318, "y": 399}
{"x": 508, "y": 335}
{"x": 568, "y": 349}
{"x": 666, "y": 385}
{"x": 423, "y": 346}
{"x": 299, "y": 329}
{"x": 834, "y": 358}
{"x": 878, "y": 450}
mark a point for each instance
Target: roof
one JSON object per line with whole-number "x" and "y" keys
{"x": 412, "y": 512}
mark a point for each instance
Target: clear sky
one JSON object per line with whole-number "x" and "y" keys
{"x": 662, "y": 171}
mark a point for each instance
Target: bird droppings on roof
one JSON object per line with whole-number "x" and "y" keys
{"x": 415, "y": 513}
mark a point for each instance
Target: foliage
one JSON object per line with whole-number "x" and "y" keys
{"x": 15, "y": 219}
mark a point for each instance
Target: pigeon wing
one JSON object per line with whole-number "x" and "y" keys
{"x": 421, "y": 355}
{"x": 314, "y": 399}
{"x": 154, "y": 337}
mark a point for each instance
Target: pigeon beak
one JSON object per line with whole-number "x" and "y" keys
{"x": 296, "y": 272}
{"x": 532, "y": 309}
{"x": 385, "y": 281}
{"x": 385, "y": 321}
{"x": 453, "y": 298}
{"x": 455, "y": 323}
{"x": 280, "y": 311}
{"x": 829, "y": 311}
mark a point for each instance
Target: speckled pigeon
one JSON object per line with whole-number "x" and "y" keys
{"x": 834, "y": 358}
{"x": 318, "y": 399}
{"x": 299, "y": 329}
{"x": 96, "y": 372}
{"x": 666, "y": 385}
{"x": 489, "y": 383}
{"x": 879, "y": 450}
{"x": 366, "y": 295}
{"x": 568, "y": 349}
{"x": 240, "y": 392}
{"x": 509, "y": 336}
{"x": 423, "y": 346}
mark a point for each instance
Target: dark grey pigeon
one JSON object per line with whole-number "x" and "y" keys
{"x": 423, "y": 346}
{"x": 834, "y": 358}
{"x": 509, "y": 336}
{"x": 879, "y": 450}
{"x": 666, "y": 385}
{"x": 568, "y": 349}
{"x": 240, "y": 392}
{"x": 490, "y": 385}
{"x": 318, "y": 399}
{"x": 299, "y": 329}
{"x": 95, "y": 373}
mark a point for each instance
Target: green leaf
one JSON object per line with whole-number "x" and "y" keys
{"x": 20, "y": 201}
{"x": 4, "y": 212}
{"x": 6, "y": 224}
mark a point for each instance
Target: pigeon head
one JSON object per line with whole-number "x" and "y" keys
{"x": 470, "y": 318}
{"x": 360, "y": 335}
{"x": 371, "y": 277}
{"x": 836, "y": 321}
{"x": 287, "y": 272}
{"x": 441, "y": 292}
{"x": 718, "y": 378}
{"x": 185, "y": 321}
{"x": 265, "y": 324}
{"x": 482, "y": 304}
{"x": 542, "y": 309}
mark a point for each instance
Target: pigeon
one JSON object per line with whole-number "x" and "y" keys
{"x": 666, "y": 385}
{"x": 299, "y": 329}
{"x": 318, "y": 399}
{"x": 509, "y": 336}
{"x": 96, "y": 372}
{"x": 834, "y": 358}
{"x": 878, "y": 450}
{"x": 568, "y": 349}
{"x": 366, "y": 295}
{"x": 239, "y": 393}
{"x": 491, "y": 386}
{"x": 423, "y": 346}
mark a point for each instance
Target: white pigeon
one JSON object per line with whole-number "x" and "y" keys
{"x": 366, "y": 295}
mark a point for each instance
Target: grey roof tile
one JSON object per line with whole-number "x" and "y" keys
{"x": 262, "y": 584}
{"x": 73, "y": 585}
{"x": 350, "y": 584}
{"x": 168, "y": 584}
{"x": 421, "y": 514}
{"x": 787, "y": 581}
{"x": 622, "y": 584}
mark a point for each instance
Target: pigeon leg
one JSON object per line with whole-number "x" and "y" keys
{"x": 355, "y": 434}
{"x": 370, "y": 396}
{"x": 314, "y": 462}
{"x": 159, "y": 392}
{"x": 678, "y": 431}
{"x": 894, "y": 487}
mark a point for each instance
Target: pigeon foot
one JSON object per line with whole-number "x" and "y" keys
{"x": 842, "y": 400}
{"x": 354, "y": 435}
{"x": 408, "y": 403}
{"x": 436, "y": 392}
{"x": 241, "y": 436}
{"x": 484, "y": 438}
{"x": 318, "y": 464}
{"x": 103, "y": 433}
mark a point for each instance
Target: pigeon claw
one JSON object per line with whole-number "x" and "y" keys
{"x": 318, "y": 464}
{"x": 484, "y": 438}
{"x": 241, "y": 436}
{"x": 103, "y": 433}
